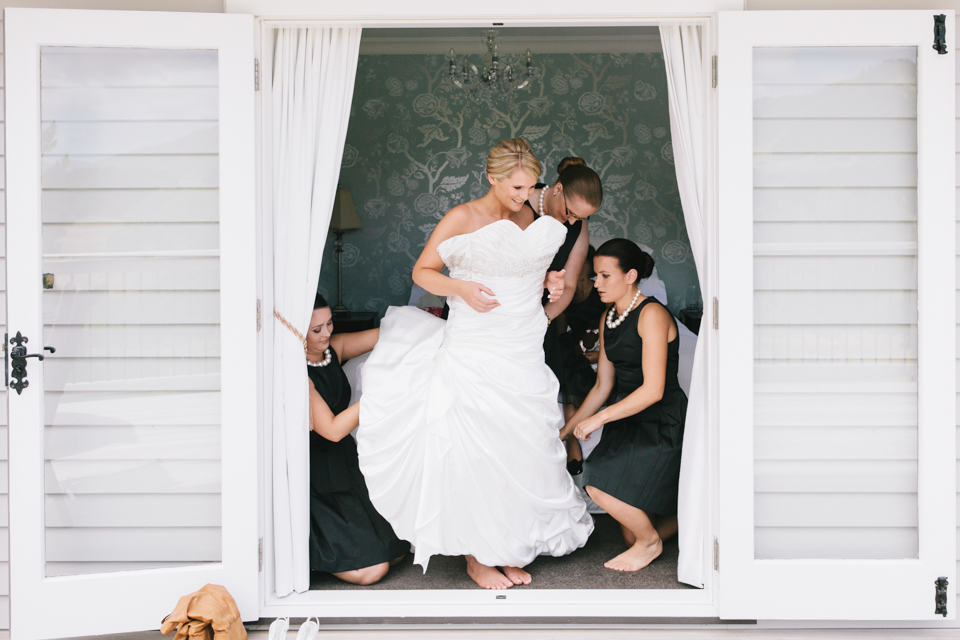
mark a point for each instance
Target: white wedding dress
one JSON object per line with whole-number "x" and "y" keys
{"x": 458, "y": 436}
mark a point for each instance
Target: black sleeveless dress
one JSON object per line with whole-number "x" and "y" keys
{"x": 346, "y": 532}
{"x": 638, "y": 458}
{"x": 551, "y": 340}
{"x": 578, "y": 375}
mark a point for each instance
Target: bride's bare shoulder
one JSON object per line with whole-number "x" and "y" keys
{"x": 463, "y": 218}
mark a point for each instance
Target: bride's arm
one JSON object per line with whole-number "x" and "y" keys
{"x": 427, "y": 270}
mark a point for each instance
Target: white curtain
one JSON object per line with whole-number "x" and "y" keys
{"x": 682, "y": 57}
{"x": 313, "y": 77}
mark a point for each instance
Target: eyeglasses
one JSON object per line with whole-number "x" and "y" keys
{"x": 565, "y": 208}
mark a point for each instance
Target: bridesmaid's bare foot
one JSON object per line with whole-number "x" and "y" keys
{"x": 636, "y": 557}
{"x": 516, "y": 575}
{"x": 486, "y": 577}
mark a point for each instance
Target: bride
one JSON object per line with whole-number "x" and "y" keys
{"x": 458, "y": 419}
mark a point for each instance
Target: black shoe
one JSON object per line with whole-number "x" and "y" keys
{"x": 575, "y": 466}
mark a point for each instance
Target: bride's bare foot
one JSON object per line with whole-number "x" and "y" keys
{"x": 516, "y": 575}
{"x": 636, "y": 557}
{"x": 486, "y": 577}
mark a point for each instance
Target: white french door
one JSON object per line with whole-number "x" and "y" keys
{"x": 837, "y": 469}
{"x": 131, "y": 251}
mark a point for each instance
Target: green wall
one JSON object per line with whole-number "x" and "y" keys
{"x": 416, "y": 146}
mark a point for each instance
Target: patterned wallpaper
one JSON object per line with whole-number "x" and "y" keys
{"x": 416, "y": 146}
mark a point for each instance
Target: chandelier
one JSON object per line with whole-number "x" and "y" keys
{"x": 495, "y": 79}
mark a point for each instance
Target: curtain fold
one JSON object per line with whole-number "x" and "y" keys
{"x": 683, "y": 60}
{"x": 313, "y": 80}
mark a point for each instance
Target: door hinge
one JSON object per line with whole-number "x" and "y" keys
{"x": 714, "y": 62}
{"x": 940, "y": 34}
{"x": 258, "y": 314}
{"x": 256, "y": 75}
{"x": 716, "y": 555}
{"x": 941, "y": 596}
{"x": 260, "y": 553}
{"x": 716, "y": 313}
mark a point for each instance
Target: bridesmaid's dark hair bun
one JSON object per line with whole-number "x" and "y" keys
{"x": 570, "y": 162}
{"x": 580, "y": 181}
{"x": 629, "y": 256}
{"x": 320, "y": 302}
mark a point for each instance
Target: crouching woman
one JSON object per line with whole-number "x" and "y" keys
{"x": 634, "y": 471}
{"x": 348, "y": 538}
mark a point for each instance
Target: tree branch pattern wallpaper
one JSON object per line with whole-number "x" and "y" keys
{"x": 416, "y": 146}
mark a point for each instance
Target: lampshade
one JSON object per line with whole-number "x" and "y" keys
{"x": 344, "y": 213}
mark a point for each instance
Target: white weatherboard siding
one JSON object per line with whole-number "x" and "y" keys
{"x": 835, "y": 296}
{"x": 131, "y": 234}
{"x": 958, "y": 328}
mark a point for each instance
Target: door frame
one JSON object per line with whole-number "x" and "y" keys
{"x": 645, "y": 606}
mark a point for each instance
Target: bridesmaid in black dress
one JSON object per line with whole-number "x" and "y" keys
{"x": 348, "y": 538}
{"x": 575, "y": 195}
{"x": 634, "y": 471}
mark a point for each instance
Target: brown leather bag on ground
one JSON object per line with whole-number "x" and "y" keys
{"x": 207, "y": 614}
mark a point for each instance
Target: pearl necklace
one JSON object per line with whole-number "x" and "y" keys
{"x": 613, "y": 324}
{"x": 542, "y": 191}
{"x": 328, "y": 356}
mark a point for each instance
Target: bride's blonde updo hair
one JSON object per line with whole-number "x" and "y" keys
{"x": 510, "y": 154}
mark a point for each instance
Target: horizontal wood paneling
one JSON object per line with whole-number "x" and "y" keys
{"x": 835, "y": 101}
{"x": 843, "y": 409}
{"x": 826, "y": 442}
{"x": 124, "y": 442}
{"x": 835, "y": 302}
{"x": 131, "y": 307}
{"x": 836, "y": 65}
{"x": 885, "y": 342}
{"x": 74, "y": 104}
{"x": 837, "y": 273}
{"x": 139, "y": 408}
{"x": 131, "y": 138}
{"x": 72, "y": 67}
{"x": 134, "y": 273}
{"x": 74, "y": 477}
{"x": 133, "y": 510}
{"x": 130, "y": 205}
{"x": 835, "y": 542}
{"x": 836, "y": 307}
{"x": 835, "y": 232}
{"x": 837, "y": 135}
{"x": 167, "y": 544}
{"x": 131, "y": 374}
{"x": 835, "y": 170}
{"x": 834, "y": 205}
{"x": 130, "y": 172}
{"x": 135, "y": 341}
{"x": 859, "y": 477}
{"x": 72, "y": 239}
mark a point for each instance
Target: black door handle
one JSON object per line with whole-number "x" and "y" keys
{"x": 19, "y": 355}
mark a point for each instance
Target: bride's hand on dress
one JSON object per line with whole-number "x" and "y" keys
{"x": 588, "y": 426}
{"x": 473, "y": 294}
{"x": 554, "y": 284}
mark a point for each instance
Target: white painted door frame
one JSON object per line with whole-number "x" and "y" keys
{"x": 128, "y": 601}
{"x": 837, "y": 589}
{"x": 599, "y": 604}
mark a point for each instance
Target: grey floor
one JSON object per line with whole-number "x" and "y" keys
{"x": 582, "y": 569}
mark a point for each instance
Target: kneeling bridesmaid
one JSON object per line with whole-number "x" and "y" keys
{"x": 348, "y": 538}
{"x": 634, "y": 471}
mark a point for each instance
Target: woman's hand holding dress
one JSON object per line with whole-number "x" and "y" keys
{"x": 554, "y": 284}
{"x": 473, "y": 294}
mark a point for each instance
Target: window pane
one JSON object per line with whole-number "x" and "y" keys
{"x": 131, "y": 303}
{"x": 835, "y": 302}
